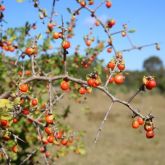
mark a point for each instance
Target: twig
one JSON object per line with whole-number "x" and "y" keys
{"x": 5, "y": 95}
{"x": 138, "y": 91}
{"x": 102, "y": 123}
{"x": 8, "y": 160}
{"x": 50, "y": 98}
{"x": 28, "y": 157}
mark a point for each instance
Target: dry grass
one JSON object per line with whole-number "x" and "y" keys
{"x": 118, "y": 144}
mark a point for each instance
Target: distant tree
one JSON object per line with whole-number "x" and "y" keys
{"x": 153, "y": 64}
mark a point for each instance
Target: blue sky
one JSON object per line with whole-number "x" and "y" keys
{"x": 147, "y": 17}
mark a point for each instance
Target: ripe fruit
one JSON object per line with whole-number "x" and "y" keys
{"x": 11, "y": 48}
{"x": 27, "y": 72}
{"x": 97, "y": 23}
{"x": 109, "y": 50}
{"x": 66, "y": 44}
{"x": 111, "y": 65}
{"x": 108, "y": 4}
{"x": 91, "y": 2}
{"x": 49, "y": 119}
{"x": 64, "y": 85}
{"x": 111, "y": 80}
{"x": 150, "y": 134}
{"x": 59, "y": 135}
{"x": 2, "y": 7}
{"x": 34, "y": 102}
{"x": 15, "y": 120}
{"x": 50, "y": 139}
{"x": 140, "y": 120}
{"x": 56, "y": 35}
{"x": 150, "y": 84}
{"x": 121, "y": 66}
{"x": 6, "y": 137}
{"x": 97, "y": 82}
{"x": 23, "y": 88}
{"x": 82, "y": 3}
{"x": 48, "y": 130}
{"x": 82, "y": 91}
{"x": 64, "y": 142}
{"x": 45, "y": 141}
{"x": 42, "y": 149}
{"x": 88, "y": 42}
{"x": 25, "y": 111}
{"x": 135, "y": 124}
{"x": 111, "y": 23}
{"x": 50, "y": 26}
{"x": 47, "y": 154}
{"x": 15, "y": 148}
{"x": 119, "y": 79}
{"x": 90, "y": 82}
{"x": 4, "y": 123}
{"x": 29, "y": 51}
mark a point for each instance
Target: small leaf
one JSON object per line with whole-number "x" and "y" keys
{"x": 132, "y": 31}
{"x": 5, "y": 103}
{"x": 20, "y": 1}
{"x": 69, "y": 10}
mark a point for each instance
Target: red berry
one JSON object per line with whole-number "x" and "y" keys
{"x": 4, "y": 123}
{"x": 59, "y": 134}
{"x": 49, "y": 119}
{"x": 150, "y": 84}
{"x": 82, "y": 91}
{"x": 111, "y": 23}
{"x": 50, "y": 139}
{"x": 109, "y": 50}
{"x": 42, "y": 149}
{"x": 135, "y": 124}
{"x": 121, "y": 67}
{"x": 150, "y": 134}
{"x": 29, "y": 51}
{"x": 15, "y": 148}
{"x": 108, "y": 4}
{"x": 90, "y": 82}
{"x": 111, "y": 80}
{"x": 111, "y": 65}
{"x": 140, "y": 120}
{"x": 119, "y": 79}
{"x": 15, "y": 120}
{"x": 56, "y": 35}
{"x": 34, "y": 102}
{"x": 48, "y": 130}
{"x": 25, "y": 111}
{"x": 64, "y": 85}
{"x": 47, "y": 154}
{"x": 64, "y": 142}
{"x": 66, "y": 44}
{"x": 2, "y": 7}
{"x": 23, "y": 88}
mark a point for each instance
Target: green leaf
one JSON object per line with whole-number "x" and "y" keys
{"x": 5, "y": 103}
{"x": 132, "y": 31}
{"x": 69, "y": 10}
{"x": 20, "y": 1}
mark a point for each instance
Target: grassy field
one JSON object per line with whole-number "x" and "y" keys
{"x": 118, "y": 144}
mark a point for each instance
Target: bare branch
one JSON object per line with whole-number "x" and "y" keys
{"x": 28, "y": 157}
{"x": 102, "y": 123}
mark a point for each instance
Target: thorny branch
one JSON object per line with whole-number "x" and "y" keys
{"x": 102, "y": 123}
{"x": 28, "y": 157}
{"x": 50, "y": 80}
